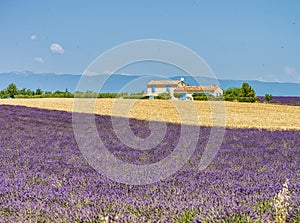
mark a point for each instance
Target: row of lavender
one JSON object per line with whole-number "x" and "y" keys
{"x": 44, "y": 177}
{"x": 283, "y": 100}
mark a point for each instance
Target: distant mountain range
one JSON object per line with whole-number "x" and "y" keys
{"x": 132, "y": 83}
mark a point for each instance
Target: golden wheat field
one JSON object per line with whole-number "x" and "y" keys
{"x": 229, "y": 114}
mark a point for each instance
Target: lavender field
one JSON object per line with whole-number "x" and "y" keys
{"x": 44, "y": 177}
{"x": 283, "y": 100}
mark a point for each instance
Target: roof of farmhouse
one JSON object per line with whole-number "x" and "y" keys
{"x": 197, "y": 88}
{"x": 182, "y": 86}
{"x": 163, "y": 82}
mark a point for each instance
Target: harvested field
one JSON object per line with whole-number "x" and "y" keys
{"x": 238, "y": 115}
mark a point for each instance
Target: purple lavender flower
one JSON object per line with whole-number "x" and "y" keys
{"x": 44, "y": 177}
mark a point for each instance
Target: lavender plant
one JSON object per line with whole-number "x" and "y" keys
{"x": 291, "y": 100}
{"x": 44, "y": 177}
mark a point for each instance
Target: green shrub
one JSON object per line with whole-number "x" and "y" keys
{"x": 177, "y": 95}
{"x": 230, "y": 98}
{"x": 200, "y": 98}
{"x": 136, "y": 96}
{"x": 268, "y": 97}
{"x": 164, "y": 96}
{"x": 247, "y": 99}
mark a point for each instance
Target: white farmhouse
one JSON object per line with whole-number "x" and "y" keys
{"x": 156, "y": 87}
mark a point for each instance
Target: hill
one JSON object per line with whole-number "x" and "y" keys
{"x": 132, "y": 83}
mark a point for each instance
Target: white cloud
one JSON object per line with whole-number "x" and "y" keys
{"x": 89, "y": 72}
{"x": 92, "y": 72}
{"x": 268, "y": 78}
{"x": 290, "y": 70}
{"x": 39, "y": 60}
{"x": 293, "y": 73}
{"x": 56, "y": 48}
{"x": 33, "y": 37}
{"x": 288, "y": 75}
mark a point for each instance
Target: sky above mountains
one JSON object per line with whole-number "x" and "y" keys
{"x": 237, "y": 39}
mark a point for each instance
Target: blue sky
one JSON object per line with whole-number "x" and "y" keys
{"x": 256, "y": 39}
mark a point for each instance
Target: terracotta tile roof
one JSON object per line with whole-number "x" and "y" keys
{"x": 164, "y": 82}
{"x": 193, "y": 88}
{"x": 209, "y": 88}
{"x": 180, "y": 86}
{"x": 197, "y": 88}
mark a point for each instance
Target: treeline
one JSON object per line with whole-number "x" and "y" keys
{"x": 91, "y": 94}
{"x": 243, "y": 94}
{"x": 13, "y": 92}
{"x": 205, "y": 97}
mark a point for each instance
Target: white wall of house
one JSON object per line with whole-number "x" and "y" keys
{"x": 160, "y": 89}
{"x": 218, "y": 92}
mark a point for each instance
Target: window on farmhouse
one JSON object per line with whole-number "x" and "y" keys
{"x": 153, "y": 89}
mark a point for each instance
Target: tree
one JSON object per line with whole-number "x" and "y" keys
{"x": 29, "y": 92}
{"x": 12, "y": 90}
{"x": 22, "y": 91}
{"x": 3, "y": 94}
{"x": 244, "y": 94}
{"x": 38, "y": 91}
{"x": 233, "y": 92}
{"x": 268, "y": 97}
{"x": 247, "y": 91}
